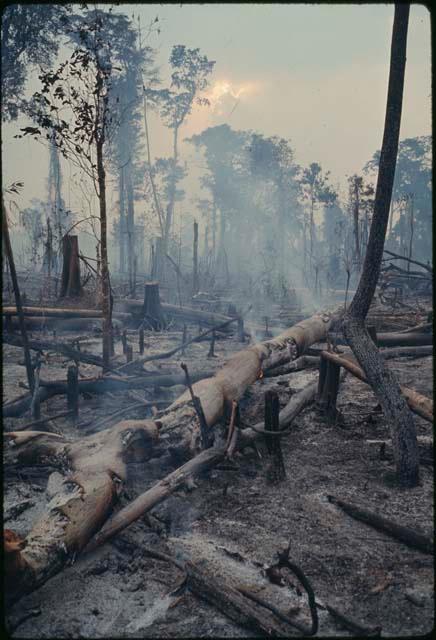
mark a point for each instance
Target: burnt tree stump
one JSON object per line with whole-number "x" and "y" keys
{"x": 328, "y": 387}
{"x": 141, "y": 341}
{"x": 129, "y": 353}
{"x": 152, "y": 310}
{"x": 73, "y": 390}
{"x": 241, "y": 331}
{"x": 70, "y": 280}
{"x": 124, "y": 341}
{"x": 276, "y": 471}
{"x": 211, "y": 353}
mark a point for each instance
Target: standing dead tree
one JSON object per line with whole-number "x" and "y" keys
{"x": 382, "y": 380}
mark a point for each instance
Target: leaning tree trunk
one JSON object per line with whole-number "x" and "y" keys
{"x": 70, "y": 281}
{"x": 382, "y": 380}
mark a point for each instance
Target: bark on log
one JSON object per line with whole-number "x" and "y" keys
{"x": 95, "y": 468}
{"x": 230, "y": 382}
{"x": 419, "y": 404}
{"x": 202, "y": 462}
{"x": 410, "y": 352}
{"x": 98, "y": 462}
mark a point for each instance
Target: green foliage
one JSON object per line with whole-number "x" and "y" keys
{"x": 189, "y": 77}
{"x": 30, "y": 36}
{"x": 413, "y": 181}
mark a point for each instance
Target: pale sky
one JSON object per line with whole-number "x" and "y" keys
{"x": 315, "y": 74}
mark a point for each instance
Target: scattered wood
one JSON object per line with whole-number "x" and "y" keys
{"x": 41, "y": 421}
{"x": 410, "y": 537}
{"x": 419, "y": 404}
{"x": 12, "y": 512}
{"x": 51, "y": 388}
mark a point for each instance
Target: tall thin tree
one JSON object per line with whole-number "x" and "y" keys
{"x": 382, "y": 380}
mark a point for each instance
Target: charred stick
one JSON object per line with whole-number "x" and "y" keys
{"x": 410, "y": 537}
{"x": 206, "y": 440}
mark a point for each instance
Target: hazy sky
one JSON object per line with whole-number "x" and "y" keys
{"x": 316, "y": 74}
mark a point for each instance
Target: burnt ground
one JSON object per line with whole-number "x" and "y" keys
{"x": 234, "y": 522}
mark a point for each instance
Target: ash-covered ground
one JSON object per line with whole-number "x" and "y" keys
{"x": 234, "y": 521}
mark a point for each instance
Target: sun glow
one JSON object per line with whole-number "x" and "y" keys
{"x": 223, "y": 89}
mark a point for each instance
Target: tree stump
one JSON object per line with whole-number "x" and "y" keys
{"x": 141, "y": 341}
{"x": 70, "y": 280}
{"x": 152, "y": 310}
{"x": 328, "y": 387}
{"x": 73, "y": 390}
{"x": 276, "y": 472}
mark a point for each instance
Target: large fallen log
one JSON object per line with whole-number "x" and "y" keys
{"x": 60, "y": 324}
{"x": 200, "y": 463}
{"x": 419, "y": 404}
{"x": 186, "y": 314}
{"x": 217, "y": 393}
{"x": 409, "y": 339}
{"x": 55, "y": 312}
{"x": 95, "y": 466}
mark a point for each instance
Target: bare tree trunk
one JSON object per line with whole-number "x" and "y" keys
{"x": 10, "y": 256}
{"x": 172, "y": 198}
{"x": 195, "y": 261}
{"x": 150, "y": 168}
{"x": 383, "y": 382}
{"x": 106, "y": 304}
{"x": 356, "y": 223}
{"x": 130, "y": 227}
{"x": 122, "y": 223}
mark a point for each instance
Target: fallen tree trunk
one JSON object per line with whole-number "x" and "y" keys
{"x": 59, "y": 347}
{"x": 230, "y": 382}
{"x": 97, "y": 463}
{"x": 410, "y": 352}
{"x": 393, "y": 339}
{"x": 183, "y": 313}
{"x": 200, "y": 463}
{"x": 50, "y": 312}
{"x": 410, "y": 537}
{"x": 69, "y": 324}
{"x": 419, "y": 404}
{"x": 95, "y": 469}
{"x": 304, "y": 362}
